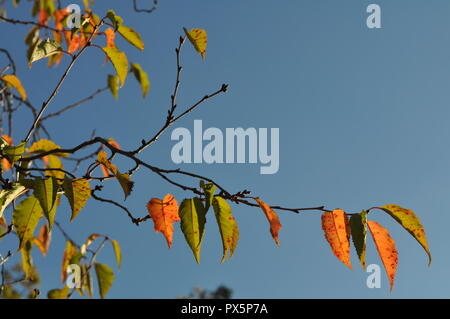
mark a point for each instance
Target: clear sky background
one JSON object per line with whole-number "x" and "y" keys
{"x": 363, "y": 117}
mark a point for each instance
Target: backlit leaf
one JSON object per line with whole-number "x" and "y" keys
{"x": 119, "y": 61}
{"x": 117, "y": 252}
{"x": 124, "y": 179}
{"x": 27, "y": 261}
{"x": 359, "y": 231}
{"x": 115, "y": 19}
{"x": 8, "y": 195}
{"x": 44, "y": 145}
{"x": 164, "y": 213}
{"x": 44, "y": 49}
{"x": 208, "y": 190}
{"x": 56, "y": 166}
{"x": 334, "y": 225}
{"x": 26, "y": 217}
{"x": 14, "y": 81}
{"x": 411, "y": 223}
{"x": 126, "y": 183}
{"x": 142, "y": 78}
{"x": 133, "y": 37}
{"x": 43, "y": 241}
{"x": 113, "y": 85}
{"x": 386, "y": 249}
{"x": 273, "y": 219}
{"x": 105, "y": 278}
{"x": 199, "y": 40}
{"x": 192, "y": 215}
{"x": 77, "y": 192}
{"x": 110, "y": 36}
{"x": 45, "y": 190}
{"x": 228, "y": 227}
{"x": 13, "y": 153}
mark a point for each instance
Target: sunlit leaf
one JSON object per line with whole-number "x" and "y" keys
{"x": 117, "y": 252}
{"x": 386, "y": 249}
{"x": 26, "y": 217}
{"x": 199, "y": 40}
{"x": 105, "y": 278}
{"x": 273, "y": 219}
{"x": 77, "y": 192}
{"x": 142, "y": 78}
{"x": 14, "y": 81}
{"x": 45, "y": 190}
{"x": 58, "y": 293}
{"x": 115, "y": 19}
{"x": 27, "y": 260}
{"x": 228, "y": 227}
{"x": 335, "y": 227}
{"x": 164, "y": 213}
{"x": 113, "y": 85}
{"x": 359, "y": 231}
{"x": 44, "y": 49}
{"x": 8, "y": 195}
{"x": 124, "y": 179}
{"x": 44, "y": 145}
{"x": 13, "y": 153}
{"x": 43, "y": 240}
{"x": 56, "y": 167}
{"x": 192, "y": 215}
{"x": 133, "y": 37}
{"x": 119, "y": 61}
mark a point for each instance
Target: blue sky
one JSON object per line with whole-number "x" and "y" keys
{"x": 363, "y": 118}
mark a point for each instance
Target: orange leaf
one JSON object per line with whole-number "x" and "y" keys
{"x": 110, "y": 37}
{"x": 59, "y": 17}
{"x": 335, "y": 226}
{"x": 386, "y": 249}
{"x": 6, "y": 165}
{"x": 272, "y": 217}
{"x": 43, "y": 17}
{"x": 164, "y": 213}
{"x": 43, "y": 241}
{"x": 73, "y": 44}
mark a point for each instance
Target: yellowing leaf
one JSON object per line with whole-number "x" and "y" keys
{"x": 14, "y": 81}
{"x": 142, "y": 78}
{"x": 26, "y": 216}
{"x": 133, "y": 37}
{"x": 110, "y": 37}
{"x": 228, "y": 227}
{"x": 69, "y": 252}
{"x": 45, "y": 190}
{"x": 192, "y": 215}
{"x": 115, "y": 19}
{"x": 44, "y": 49}
{"x": 77, "y": 192}
{"x": 126, "y": 183}
{"x": 13, "y": 153}
{"x": 359, "y": 231}
{"x": 199, "y": 40}
{"x": 334, "y": 225}
{"x": 56, "y": 167}
{"x": 124, "y": 179}
{"x": 119, "y": 61}
{"x": 386, "y": 249}
{"x": 273, "y": 219}
{"x": 43, "y": 241}
{"x": 105, "y": 278}
{"x": 411, "y": 223}
{"x": 89, "y": 241}
{"x": 8, "y": 195}
{"x": 27, "y": 261}
{"x": 117, "y": 252}
{"x": 43, "y": 146}
{"x": 164, "y": 213}
{"x": 58, "y": 293}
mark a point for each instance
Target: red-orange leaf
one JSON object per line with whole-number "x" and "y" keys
{"x": 6, "y": 165}
{"x": 386, "y": 249}
{"x": 335, "y": 226}
{"x": 110, "y": 37}
{"x": 272, "y": 217}
{"x": 43, "y": 241}
{"x": 164, "y": 213}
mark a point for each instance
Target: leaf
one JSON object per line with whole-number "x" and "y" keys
{"x": 142, "y": 78}
{"x": 192, "y": 215}
{"x": 56, "y": 166}
{"x": 124, "y": 179}
{"x": 133, "y": 37}
{"x": 110, "y": 36}
{"x": 45, "y": 190}
{"x": 119, "y": 61}
{"x": 13, "y": 153}
{"x": 14, "y": 81}
{"x": 115, "y": 19}
{"x": 27, "y": 261}
{"x": 77, "y": 192}
{"x": 117, "y": 252}
{"x": 228, "y": 227}
{"x": 359, "y": 231}
{"x": 208, "y": 190}
{"x": 273, "y": 219}
{"x": 409, "y": 221}
{"x": 43, "y": 241}
{"x": 199, "y": 40}
{"x": 386, "y": 249}
{"x": 69, "y": 252}
{"x": 87, "y": 283}
{"x": 44, "y": 145}
{"x": 58, "y": 293}
{"x": 89, "y": 241}
{"x": 113, "y": 85}
{"x": 105, "y": 278}
{"x": 44, "y": 49}
{"x": 126, "y": 183}
{"x": 7, "y": 196}
{"x": 334, "y": 225}
{"x": 25, "y": 218}
{"x": 164, "y": 213}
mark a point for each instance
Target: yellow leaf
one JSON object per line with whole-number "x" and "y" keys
{"x": 119, "y": 61}
{"x": 199, "y": 40}
{"x": 44, "y": 145}
{"x": 14, "y": 81}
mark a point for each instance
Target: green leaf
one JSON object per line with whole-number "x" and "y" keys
{"x": 45, "y": 190}
{"x": 133, "y": 37}
{"x": 142, "y": 78}
{"x": 113, "y": 85}
{"x": 228, "y": 227}
{"x": 409, "y": 221}
{"x": 192, "y": 214}
{"x": 25, "y": 218}
{"x": 58, "y": 293}
{"x": 358, "y": 229}
{"x": 13, "y": 153}
{"x": 27, "y": 261}
{"x": 8, "y": 195}
{"x": 105, "y": 278}
{"x": 87, "y": 283}
{"x": 119, "y": 61}
{"x": 43, "y": 50}
{"x": 115, "y": 19}
{"x": 209, "y": 190}
{"x": 117, "y": 252}
{"x": 77, "y": 192}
